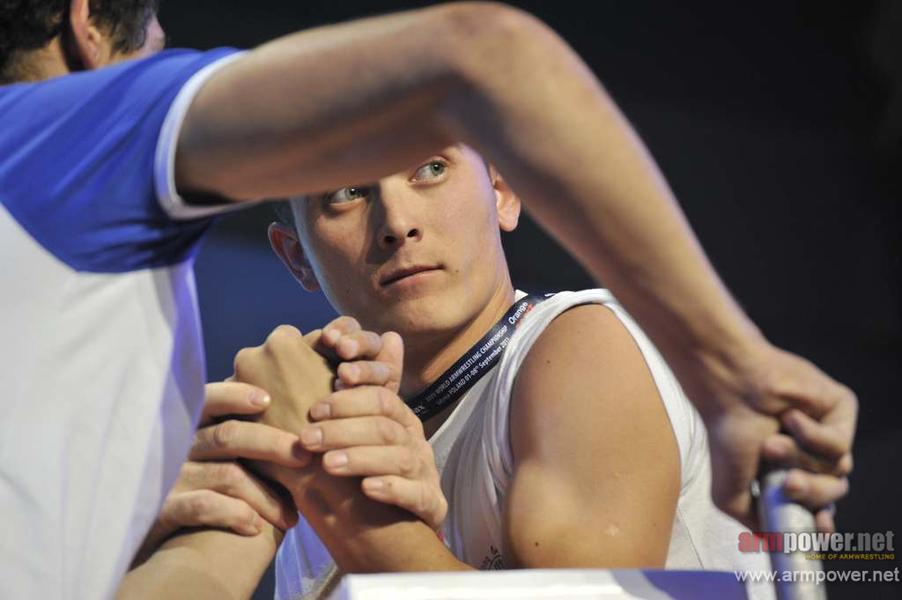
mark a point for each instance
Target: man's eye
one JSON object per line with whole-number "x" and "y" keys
{"x": 347, "y": 194}
{"x": 431, "y": 170}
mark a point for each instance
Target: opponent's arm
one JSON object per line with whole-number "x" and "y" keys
{"x": 596, "y": 464}
{"x": 295, "y": 113}
{"x": 378, "y": 94}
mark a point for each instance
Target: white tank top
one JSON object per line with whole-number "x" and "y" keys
{"x": 473, "y": 455}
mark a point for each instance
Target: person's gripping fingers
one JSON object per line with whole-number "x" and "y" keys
{"x": 828, "y": 440}
{"x": 783, "y": 450}
{"x": 206, "y": 508}
{"x": 365, "y": 461}
{"x": 392, "y": 354}
{"x": 360, "y": 345}
{"x": 359, "y": 431}
{"x": 363, "y": 372}
{"x": 814, "y": 491}
{"x": 337, "y": 328}
{"x": 233, "y": 480}
{"x": 415, "y": 496}
{"x": 243, "y": 439}
{"x": 232, "y": 398}
{"x": 365, "y": 401}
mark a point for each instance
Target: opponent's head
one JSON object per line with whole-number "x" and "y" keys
{"x": 418, "y": 252}
{"x": 44, "y": 38}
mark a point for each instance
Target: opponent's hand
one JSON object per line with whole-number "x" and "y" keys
{"x": 372, "y": 433}
{"x": 363, "y": 357}
{"x": 213, "y": 489}
{"x": 768, "y": 390}
{"x": 368, "y": 431}
{"x": 385, "y": 439}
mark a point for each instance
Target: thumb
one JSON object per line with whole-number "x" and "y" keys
{"x": 392, "y": 354}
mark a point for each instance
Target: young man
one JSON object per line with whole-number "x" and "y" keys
{"x": 111, "y": 165}
{"x": 577, "y": 449}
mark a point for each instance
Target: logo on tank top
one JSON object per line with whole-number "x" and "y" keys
{"x": 492, "y": 562}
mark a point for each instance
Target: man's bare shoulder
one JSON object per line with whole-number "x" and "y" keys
{"x": 585, "y": 371}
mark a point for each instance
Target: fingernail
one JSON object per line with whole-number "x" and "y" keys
{"x": 320, "y": 411}
{"x": 331, "y": 335}
{"x": 373, "y": 485}
{"x": 336, "y": 459}
{"x": 312, "y": 436}
{"x": 260, "y": 398}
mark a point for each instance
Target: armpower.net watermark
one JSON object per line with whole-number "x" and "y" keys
{"x": 823, "y": 546}
{"x": 819, "y": 577}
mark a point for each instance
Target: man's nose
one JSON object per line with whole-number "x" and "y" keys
{"x": 399, "y": 224}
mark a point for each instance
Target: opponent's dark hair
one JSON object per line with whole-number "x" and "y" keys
{"x": 27, "y": 25}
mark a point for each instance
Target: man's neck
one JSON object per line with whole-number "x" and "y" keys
{"x": 45, "y": 63}
{"x": 425, "y": 360}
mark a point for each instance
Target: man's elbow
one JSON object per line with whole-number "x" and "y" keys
{"x": 489, "y": 38}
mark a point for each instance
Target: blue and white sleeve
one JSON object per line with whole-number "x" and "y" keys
{"x": 87, "y": 160}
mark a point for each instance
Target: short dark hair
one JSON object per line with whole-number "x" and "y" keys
{"x": 27, "y": 25}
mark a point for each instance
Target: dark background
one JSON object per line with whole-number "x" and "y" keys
{"x": 778, "y": 126}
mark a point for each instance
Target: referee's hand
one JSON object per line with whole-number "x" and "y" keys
{"x": 750, "y": 402}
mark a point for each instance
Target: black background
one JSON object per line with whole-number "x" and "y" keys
{"x": 778, "y": 126}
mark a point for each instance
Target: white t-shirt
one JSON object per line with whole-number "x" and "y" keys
{"x": 101, "y": 357}
{"x": 473, "y": 454}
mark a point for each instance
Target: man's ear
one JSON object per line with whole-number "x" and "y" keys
{"x": 284, "y": 242}
{"x": 88, "y": 47}
{"x": 506, "y": 201}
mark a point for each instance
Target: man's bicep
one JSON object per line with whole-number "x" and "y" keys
{"x": 596, "y": 465}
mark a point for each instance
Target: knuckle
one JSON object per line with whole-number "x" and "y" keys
{"x": 282, "y": 336}
{"x": 225, "y": 433}
{"x": 388, "y": 431}
{"x": 407, "y": 464}
{"x": 345, "y": 323}
{"x": 229, "y": 475}
{"x": 371, "y": 339}
{"x": 386, "y": 400}
{"x": 846, "y": 465}
{"x": 849, "y": 396}
{"x": 242, "y": 359}
{"x": 201, "y": 505}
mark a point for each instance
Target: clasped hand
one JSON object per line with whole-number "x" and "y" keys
{"x": 286, "y": 414}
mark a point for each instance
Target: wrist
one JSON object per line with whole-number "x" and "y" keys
{"x": 721, "y": 372}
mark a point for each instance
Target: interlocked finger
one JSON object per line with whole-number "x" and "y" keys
{"x": 243, "y": 439}
{"x": 373, "y": 460}
{"x": 814, "y": 491}
{"x": 233, "y": 480}
{"x": 206, "y": 508}
{"x": 783, "y": 450}
{"x": 359, "y": 431}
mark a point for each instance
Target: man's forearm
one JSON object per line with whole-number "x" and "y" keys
{"x": 200, "y": 564}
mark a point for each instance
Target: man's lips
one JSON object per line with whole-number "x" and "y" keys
{"x": 399, "y": 274}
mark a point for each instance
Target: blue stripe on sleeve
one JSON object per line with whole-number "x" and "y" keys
{"x": 77, "y": 163}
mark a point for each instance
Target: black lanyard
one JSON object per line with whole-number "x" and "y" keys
{"x": 471, "y": 367}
